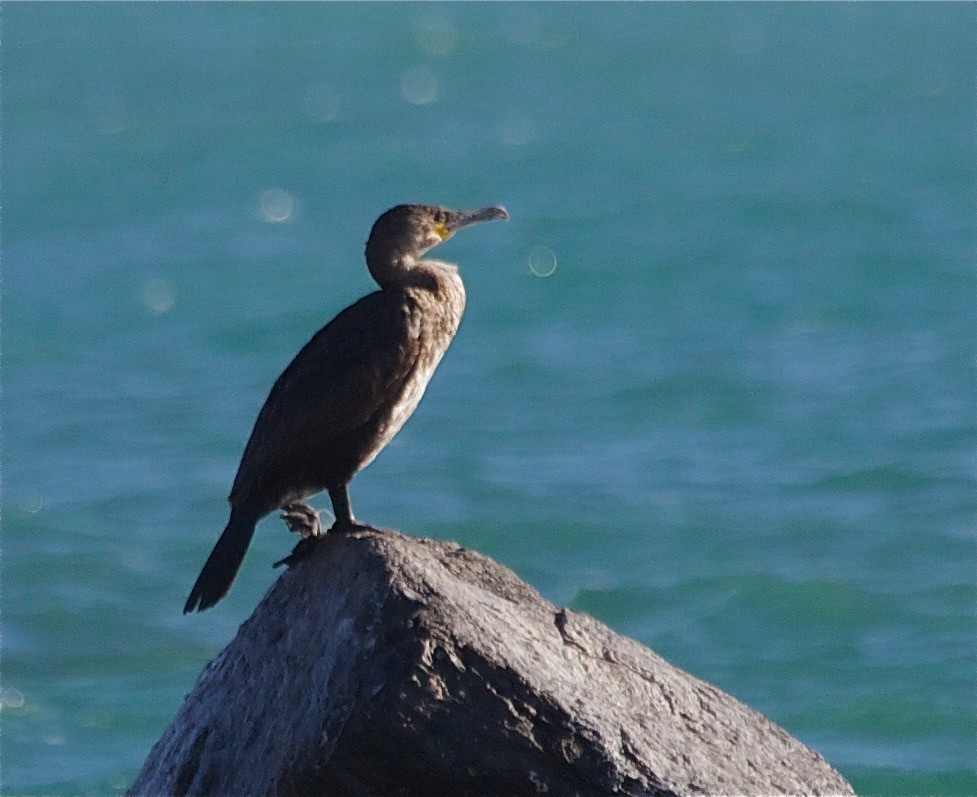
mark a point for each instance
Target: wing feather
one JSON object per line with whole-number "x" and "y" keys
{"x": 335, "y": 384}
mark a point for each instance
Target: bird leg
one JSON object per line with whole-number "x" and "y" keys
{"x": 345, "y": 522}
{"x": 342, "y": 510}
{"x": 302, "y": 519}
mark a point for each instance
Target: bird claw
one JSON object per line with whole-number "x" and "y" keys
{"x": 302, "y": 519}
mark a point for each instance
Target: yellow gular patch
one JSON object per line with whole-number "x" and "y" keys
{"x": 441, "y": 231}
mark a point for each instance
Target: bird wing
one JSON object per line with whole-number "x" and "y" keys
{"x": 335, "y": 384}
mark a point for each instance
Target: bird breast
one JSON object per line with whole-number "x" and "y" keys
{"x": 433, "y": 318}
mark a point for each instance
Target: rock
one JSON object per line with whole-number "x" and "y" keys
{"x": 392, "y": 665}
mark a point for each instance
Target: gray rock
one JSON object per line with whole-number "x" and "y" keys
{"x": 393, "y": 665}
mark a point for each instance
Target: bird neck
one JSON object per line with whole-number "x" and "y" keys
{"x": 407, "y": 272}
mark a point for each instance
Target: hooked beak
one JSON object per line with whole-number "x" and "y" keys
{"x": 463, "y": 218}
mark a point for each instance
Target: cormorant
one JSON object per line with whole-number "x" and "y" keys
{"x": 349, "y": 390}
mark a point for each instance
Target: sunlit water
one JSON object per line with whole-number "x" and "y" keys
{"x": 715, "y": 384}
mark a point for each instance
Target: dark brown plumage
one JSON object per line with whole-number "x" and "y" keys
{"x": 349, "y": 390}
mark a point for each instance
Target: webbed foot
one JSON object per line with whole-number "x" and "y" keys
{"x": 302, "y": 519}
{"x": 349, "y": 526}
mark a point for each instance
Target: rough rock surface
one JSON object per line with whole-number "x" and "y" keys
{"x": 393, "y": 665}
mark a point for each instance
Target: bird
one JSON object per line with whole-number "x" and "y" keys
{"x": 348, "y": 391}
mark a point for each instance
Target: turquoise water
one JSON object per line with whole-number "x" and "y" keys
{"x": 735, "y": 422}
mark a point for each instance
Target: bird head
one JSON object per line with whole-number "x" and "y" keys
{"x": 406, "y": 232}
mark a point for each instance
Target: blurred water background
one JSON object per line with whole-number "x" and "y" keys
{"x": 715, "y": 384}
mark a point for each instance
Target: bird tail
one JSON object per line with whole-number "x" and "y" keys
{"x": 223, "y": 563}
